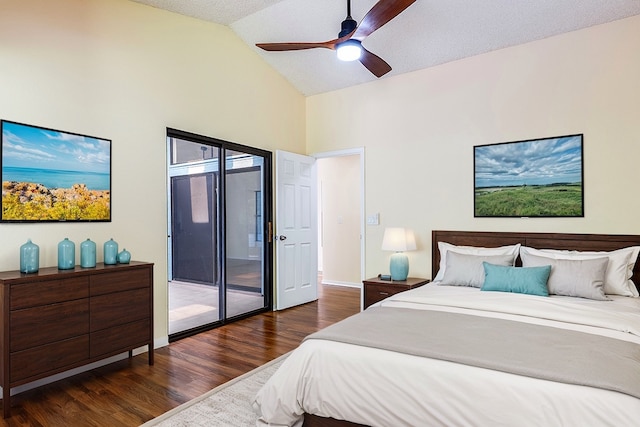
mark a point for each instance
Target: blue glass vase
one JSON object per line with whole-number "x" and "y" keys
{"x": 110, "y": 252}
{"x": 87, "y": 254}
{"x": 66, "y": 254}
{"x": 29, "y": 257}
{"x": 124, "y": 257}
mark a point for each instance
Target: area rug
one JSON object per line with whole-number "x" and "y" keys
{"x": 228, "y": 405}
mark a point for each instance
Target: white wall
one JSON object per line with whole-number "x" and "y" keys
{"x": 123, "y": 71}
{"x": 419, "y": 130}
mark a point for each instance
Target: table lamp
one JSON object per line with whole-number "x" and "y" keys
{"x": 398, "y": 240}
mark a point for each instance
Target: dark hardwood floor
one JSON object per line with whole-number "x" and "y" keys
{"x": 130, "y": 392}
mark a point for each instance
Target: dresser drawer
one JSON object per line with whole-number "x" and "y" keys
{"x": 48, "y": 292}
{"x": 376, "y": 289}
{"x": 119, "y": 308}
{"x": 120, "y": 338}
{"x": 50, "y": 358}
{"x": 116, "y": 281}
{"x": 375, "y": 293}
{"x": 36, "y": 326}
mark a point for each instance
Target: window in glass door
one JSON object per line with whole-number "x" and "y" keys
{"x": 244, "y": 254}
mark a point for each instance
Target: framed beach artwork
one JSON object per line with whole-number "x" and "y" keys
{"x": 52, "y": 175}
{"x": 533, "y": 178}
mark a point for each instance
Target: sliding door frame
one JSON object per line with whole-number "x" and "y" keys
{"x": 267, "y": 220}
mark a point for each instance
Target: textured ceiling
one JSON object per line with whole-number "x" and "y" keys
{"x": 428, "y": 33}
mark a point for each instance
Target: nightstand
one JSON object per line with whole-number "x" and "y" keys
{"x": 376, "y": 290}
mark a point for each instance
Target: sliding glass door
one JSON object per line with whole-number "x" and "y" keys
{"x": 219, "y": 259}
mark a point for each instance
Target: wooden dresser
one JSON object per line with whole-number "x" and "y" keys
{"x": 55, "y": 320}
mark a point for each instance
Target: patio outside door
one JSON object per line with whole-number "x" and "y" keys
{"x": 219, "y": 256}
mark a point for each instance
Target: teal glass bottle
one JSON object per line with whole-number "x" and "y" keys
{"x": 29, "y": 257}
{"x": 110, "y": 252}
{"x": 66, "y": 254}
{"x": 87, "y": 254}
{"x": 124, "y": 257}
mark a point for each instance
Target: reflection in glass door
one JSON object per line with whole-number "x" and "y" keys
{"x": 194, "y": 228}
{"x": 218, "y": 262}
{"x": 244, "y": 255}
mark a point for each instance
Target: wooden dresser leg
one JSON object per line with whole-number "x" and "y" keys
{"x": 6, "y": 401}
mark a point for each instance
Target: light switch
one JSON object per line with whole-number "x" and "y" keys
{"x": 373, "y": 219}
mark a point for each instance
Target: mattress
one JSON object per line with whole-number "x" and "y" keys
{"x": 379, "y": 387}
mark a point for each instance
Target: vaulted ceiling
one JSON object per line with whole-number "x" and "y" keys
{"x": 427, "y": 33}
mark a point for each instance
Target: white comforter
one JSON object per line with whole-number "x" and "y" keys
{"x": 383, "y": 388}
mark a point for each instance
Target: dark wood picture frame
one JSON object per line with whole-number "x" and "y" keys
{"x": 532, "y": 178}
{"x": 50, "y": 175}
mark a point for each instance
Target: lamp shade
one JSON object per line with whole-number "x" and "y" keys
{"x": 398, "y": 240}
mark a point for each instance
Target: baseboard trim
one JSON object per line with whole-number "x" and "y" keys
{"x": 345, "y": 284}
{"x": 159, "y": 342}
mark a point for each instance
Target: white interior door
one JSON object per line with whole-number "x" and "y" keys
{"x": 296, "y": 235}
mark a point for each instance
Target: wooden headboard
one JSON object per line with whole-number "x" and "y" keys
{"x": 578, "y": 242}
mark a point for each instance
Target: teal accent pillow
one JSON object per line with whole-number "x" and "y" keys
{"x": 522, "y": 280}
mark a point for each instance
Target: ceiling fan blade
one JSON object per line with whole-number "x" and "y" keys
{"x": 275, "y": 47}
{"x": 329, "y": 44}
{"x": 374, "y": 63}
{"x": 381, "y": 13}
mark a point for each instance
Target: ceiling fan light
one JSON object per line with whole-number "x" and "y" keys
{"x": 349, "y": 50}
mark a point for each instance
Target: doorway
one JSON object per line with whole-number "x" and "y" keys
{"x": 218, "y": 241}
{"x": 341, "y": 213}
{"x": 301, "y": 229}
{"x": 339, "y": 225}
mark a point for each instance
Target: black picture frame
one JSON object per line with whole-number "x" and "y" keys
{"x": 541, "y": 177}
{"x": 50, "y": 175}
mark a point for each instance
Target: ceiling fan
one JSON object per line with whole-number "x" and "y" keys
{"x": 349, "y": 42}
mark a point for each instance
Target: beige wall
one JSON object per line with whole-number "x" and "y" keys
{"x": 419, "y": 130}
{"x": 339, "y": 182}
{"x": 123, "y": 71}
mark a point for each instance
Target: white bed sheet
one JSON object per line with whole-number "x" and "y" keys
{"x": 383, "y": 388}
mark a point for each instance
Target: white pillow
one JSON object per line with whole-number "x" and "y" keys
{"x": 468, "y": 270}
{"x": 582, "y": 278}
{"x": 444, "y": 247}
{"x": 617, "y": 279}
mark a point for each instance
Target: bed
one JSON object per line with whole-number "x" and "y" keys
{"x": 420, "y": 357}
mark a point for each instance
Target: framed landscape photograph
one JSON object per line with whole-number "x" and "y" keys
{"x": 52, "y": 175}
{"x": 532, "y": 178}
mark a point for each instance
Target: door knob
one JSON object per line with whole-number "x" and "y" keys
{"x": 282, "y": 237}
